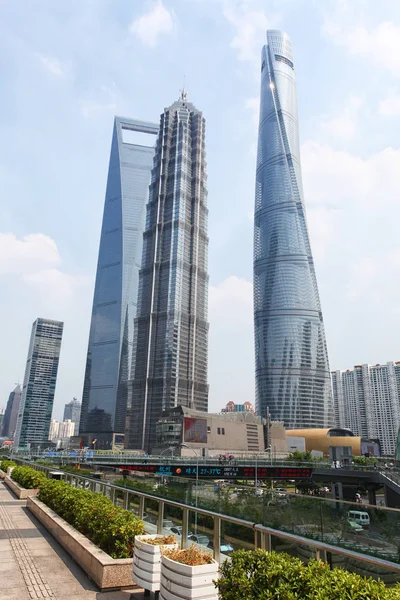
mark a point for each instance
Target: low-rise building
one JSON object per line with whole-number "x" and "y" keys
{"x": 218, "y": 433}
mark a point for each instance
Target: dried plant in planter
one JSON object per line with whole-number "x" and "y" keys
{"x": 192, "y": 556}
{"x": 162, "y": 541}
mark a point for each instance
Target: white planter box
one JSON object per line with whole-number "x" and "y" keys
{"x": 10, "y": 470}
{"x": 147, "y": 562}
{"x": 180, "y": 582}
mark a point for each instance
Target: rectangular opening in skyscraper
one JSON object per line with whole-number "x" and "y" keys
{"x": 138, "y": 138}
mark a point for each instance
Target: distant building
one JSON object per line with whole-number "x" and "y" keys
{"x": 66, "y": 429}
{"x": 215, "y": 434}
{"x": 33, "y": 422}
{"x": 54, "y": 428}
{"x": 72, "y": 411}
{"x": 63, "y": 430}
{"x": 11, "y": 414}
{"x": 367, "y": 401}
{"x": 231, "y": 407}
{"x": 109, "y": 355}
{"x": 1, "y": 418}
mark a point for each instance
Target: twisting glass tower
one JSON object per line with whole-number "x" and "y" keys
{"x": 171, "y": 328}
{"x": 292, "y": 369}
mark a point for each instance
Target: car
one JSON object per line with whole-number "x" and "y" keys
{"x": 204, "y": 540}
{"x": 354, "y": 526}
{"x": 281, "y": 490}
{"x": 167, "y": 524}
{"x": 224, "y": 546}
{"x": 177, "y": 529}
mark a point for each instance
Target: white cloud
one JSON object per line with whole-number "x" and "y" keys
{"x": 232, "y": 298}
{"x": 34, "y": 260}
{"x": 250, "y": 23}
{"x": 27, "y": 255}
{"x": 52, "y": 65}
{"x": 338, "y": 178}
{"x": 380, "y": 44}
{"x": 91, "y": 110}
{"x": 231, "y": 359}
{"x": 344, "y": 126}
{"x": 390, "y": 106}
{"x": 152, "y": 25}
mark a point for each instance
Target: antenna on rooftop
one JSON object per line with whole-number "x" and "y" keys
{"x": 183, "y": 91}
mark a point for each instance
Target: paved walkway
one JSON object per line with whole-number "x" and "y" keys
{"x": 33, "y": 566}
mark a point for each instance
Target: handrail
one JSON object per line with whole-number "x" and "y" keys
{"x": 265, "y": 532}
{"x": 380, "y": 562}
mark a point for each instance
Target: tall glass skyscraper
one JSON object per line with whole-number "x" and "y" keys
{"x": 11, "y": 414}
{"x": 292, "y": 369}
{"x": 171, "y": 329}
{"x": 36, "y": 406}
{"x": 109, "y": 356}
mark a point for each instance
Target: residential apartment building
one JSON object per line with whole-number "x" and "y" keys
{"x": 367, "y": 401}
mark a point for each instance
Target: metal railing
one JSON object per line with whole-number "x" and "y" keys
{"x": 262, "y": 535}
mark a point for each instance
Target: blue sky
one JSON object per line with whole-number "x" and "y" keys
{"x": 66, "y": 68}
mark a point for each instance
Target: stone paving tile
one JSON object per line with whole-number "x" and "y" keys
{"x": 34, "y": 567}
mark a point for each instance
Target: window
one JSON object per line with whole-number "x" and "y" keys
{"x": 284, "y": 60}
{"x": 208, "y": 429}
{"x": 223, "y": 431}
{"x": 218, "y": 430}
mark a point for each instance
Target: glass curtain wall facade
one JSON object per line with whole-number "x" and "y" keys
{"x": 292, "y": 369}
{"x": 36, "y": 406}
{"x": 171, "y": 329}
{"x": 109, "y": 355}
{"x": 10, "y": 416}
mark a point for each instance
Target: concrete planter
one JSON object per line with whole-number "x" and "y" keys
{"x": 2, "y": 474}
{"x": 181, "y": 582}
{"x": 10, "y": 470}
{"x": 147, "y": 562}
{"x": 20, "y": 492}
{"x": 106, "y": 572}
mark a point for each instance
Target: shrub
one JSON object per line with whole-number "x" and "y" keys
{"x": 162, "y": 541}
{"x": 7, "y": 463}
{"x": 111, "y": 528}
{"x": 28, "y": 478}
{"x": 271, "y": 576}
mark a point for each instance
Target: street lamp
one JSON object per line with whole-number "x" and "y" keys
{"x": 170, "y": 449}
{"x": 197, "y": 481}
{"x": 257, "y": 454}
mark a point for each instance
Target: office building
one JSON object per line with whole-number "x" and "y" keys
{"x": 292, "y": 369}
{"x": 11, "y": 413}
{"x": 109, "y": 355}
{"x": 33, "y": 421}
{"x": 72, "y": 412}
{"x": 367, "y": 401}
{"x": 1, "y": 419}
{"x": 171, "y": 328}
{"x": 66, "y": 429}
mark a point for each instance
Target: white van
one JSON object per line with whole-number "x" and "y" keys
{"x": 360, "y": 517}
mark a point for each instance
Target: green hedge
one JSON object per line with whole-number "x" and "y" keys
{"x": 7, "y": 463}
{"x": 28, "y": 478}
{"x": 272, "y": 576}
{"x": 109, "y": 527}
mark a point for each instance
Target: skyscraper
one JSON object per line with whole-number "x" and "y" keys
{"x": 10, "y": 416}
{"x": 33, "y": 421}
{"x": 109, "y": 354}
{"x": 367, "y": 401}
{"x": 72, "y": 412}
{"x": 171, "y": 328}
{"x": 292, "y": 369}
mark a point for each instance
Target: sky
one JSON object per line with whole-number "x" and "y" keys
{"x": 66, "y": 68}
